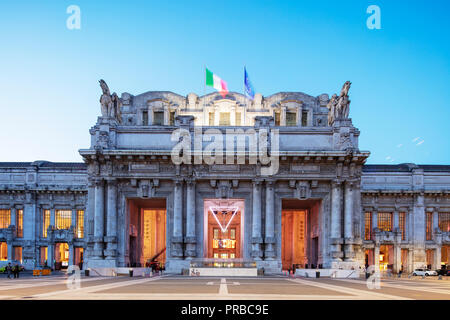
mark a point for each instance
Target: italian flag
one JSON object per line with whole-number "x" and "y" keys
{"x": 214, "y": 81}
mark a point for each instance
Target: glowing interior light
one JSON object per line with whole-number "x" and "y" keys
{"x": 215, "y": 209}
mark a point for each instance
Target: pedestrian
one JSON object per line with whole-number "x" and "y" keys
{"x": 8, "y": 270}
{"x": 14, "y": 271}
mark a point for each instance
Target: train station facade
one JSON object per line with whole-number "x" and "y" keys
{"x": 278, "y": 180}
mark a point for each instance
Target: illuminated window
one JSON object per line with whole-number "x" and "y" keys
{"x": 19, "y": 223}
{"x": 63, "y": 219}
{"x": 429, "y": 225}
{"x": 444, "y": 221}
{"x": 291, "y": 118}
{"x": 45, "y": 222}
{"x": 80, "y": 224}
{"x": 224, "y": 255}
{"x": 158, "y": 118}
{"x": 5, "y": 218}
{"x": 368, "y": 226}
{"x": 232, "y": 255}
{"x": 402, "y": 223}
{"x": 385, "y": 221}
{"x": 216, "y": 233}
{"x": 233, "y": 233}
{"x": 238, "y": 119}
{"x": 211, "y": 118}
{"x": 216, "y": 255}
{"x": 224, "y": 119}
{"x": 277, "y": 118}
{"x": 3, "y": 251}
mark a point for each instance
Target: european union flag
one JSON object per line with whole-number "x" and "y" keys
{"x": 248, "y": 88}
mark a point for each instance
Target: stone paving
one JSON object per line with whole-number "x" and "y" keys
{"x": 171, "y": 287}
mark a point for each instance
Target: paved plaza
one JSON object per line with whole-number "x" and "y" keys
{"x": 171, "y": 287}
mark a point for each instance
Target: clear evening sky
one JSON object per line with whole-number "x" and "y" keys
{"x": 400, "y": 74}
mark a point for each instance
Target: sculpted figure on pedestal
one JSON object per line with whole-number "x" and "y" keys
{"x": 339, "y": 107}
{"x": 332, "y": 109}
{"x": 110, "y": 104}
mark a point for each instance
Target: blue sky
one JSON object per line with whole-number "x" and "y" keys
{"x": 400, "y": 74}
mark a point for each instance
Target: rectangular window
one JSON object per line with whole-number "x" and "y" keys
{"x": 158, "y": 118}
{"x": 211, "y": 119}
{"x": 291, "y": 119}
{"x": 19, "y": 223}
{"x": 233, "y": 233}
{"x": 238, "y": 119}
{"x": 304, "y": 118}
{"x": 444, "y": 221}
{"x": 3, "y": 251}
{"x": 172, "y": 118}
{"x": 216, "y": 233}
{"x": 145, "y": 118}
{"x": 63, "y": 219}
{"x": 5, "y": 218}
{"x": 80, "y": 224}
{"x": 429, "y": 225}
{"x": 45, "y": 222}
{"x": 368, "y": 226}
{"x": 385, "y": 221}
{"x": 402, "y": 224}
{"x": 224, "y": 119}
{"x": 277, "y": 119}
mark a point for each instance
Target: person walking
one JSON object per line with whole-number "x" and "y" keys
{"x": 15, "y": 271}
{"x": 8, "y": 270}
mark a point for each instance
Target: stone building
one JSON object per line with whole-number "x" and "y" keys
{"x": 279, "y": 180}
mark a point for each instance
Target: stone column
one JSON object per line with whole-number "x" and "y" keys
{"x": 420, "y": 257}
{"x": 348, "y": 222}
{"x": 376, "y": 257}
{"x": 256, "y": 226}
{"x": 71, "y": 254}
{"x": 177, "y": 234}
{"x": 270, "y": 220}
{"x": 410, "y": 261}
{"x": 374, "y": 222}
{"x": 52, "y": 216}
{"x": 435, "y": 220}
{"x": 111, "y": 221}
{"x": 13, "y": 216}
{"x": 397, "y": 241}
{"x": 190, "y": 239}
{"x": 73, "y": 223}
{"x": 397, "y": 257}
{"x": 50, "y": 255}
{"x": 336, "y": 237}
{"x": 396, "y": 220}
{"x": 99, "y": 219}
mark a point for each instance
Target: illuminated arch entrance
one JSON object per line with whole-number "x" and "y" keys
{"x": 223, "y": 228}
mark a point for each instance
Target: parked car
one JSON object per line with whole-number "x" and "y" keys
{"x": 442, "y": 272}
{"x": 424, "y": 272}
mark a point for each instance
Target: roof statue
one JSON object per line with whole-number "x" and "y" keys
{"x": 339, "y": 106}
{"x": 110, "y": 104}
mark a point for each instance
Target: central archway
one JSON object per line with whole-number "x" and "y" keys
{"x": 224, "y": 228}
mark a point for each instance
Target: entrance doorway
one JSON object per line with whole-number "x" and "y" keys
{"x": 299, "y": 233}
{"x": 147, "y": 232}
{"x": 223, "y": 228}
{"x": 78, "y": 257}
{"x": 61, "y": 255}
